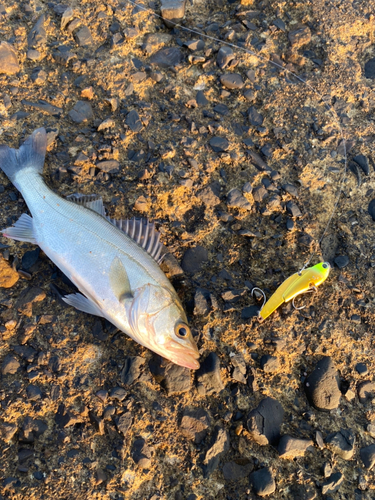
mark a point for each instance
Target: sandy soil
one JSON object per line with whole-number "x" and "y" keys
{"x": 62, "y": 438}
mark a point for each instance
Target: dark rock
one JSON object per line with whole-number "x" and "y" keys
{"x": 63, "y": 55}
{"x": 24, "y": 454}
{"x": 264, "y": 422}
{"x": 7, "y": 431}
{"x": 235, "y": 472}
{"x": 81, "y": 112}
{"x": 292, "y": 190}
{"x": 255, "y": 118}
{"x": 322, "y": 385}
{"x": 366, "y": 391}
{"x": 166, "y": 58}
{"x": 194, "y": 424}
{"x": 263, "y": 482}
{"x": 172, "y": 11}
{"x": 118, "y": 393}
{"x": 173, "y": 378}
{"x": 224, "y": 57}
{"x": 83, "y": 37}
{"x": 302, "y": 492}
{"x": 259, "y": 194}
{"x": 201, "y": 98}
{"x": 232, "y": 81}
{"x": 333, "y": 483}
{"x": 221, "y": 109}
{"x": 210, "y": 195}
{"x": 342, "y": 443}
{"x": 249, "y": 312}
{"x": 368, "y": 456}
{"x": 10, "y": 365}
{"x": 293, "y": 209}
{"x": 371, "y": 209}
{"x": 139, "y": 76}
{"x": 124, "y": 422}
{"x": 193, "y": 259}
{"x": 45, "y": 106}
{"x": 290, "y": 447}
{"x": 249, "y": 95}
{"x": 133, "y": 121}
{"x": 208, "y": 376}
{"x": 65, "y": 418}
{"x": 195, "y": 45}
{"x": 109, "y": 166}
{"x": 201, "y": 306}
{"x": 299, "y": 36}
{"x": 54, "y": 364}
{"x": 37, "y": 36}
{"x": 362, "y": 161}
{"x": 32, "y": 429}
{"x": 219, "y": 447}
{"x": 279, "y": 23}
{"x": 370, "y": 68}
{"x": 257, "y": 161}
{"x": 100, "y": 476}
{"x": 141, "y": 453}
{"x": 38, "y": 76}
{"x": 361, "y": 368}
{"x": 269, "y": 364}
{"x": 342, "y": 261}
{"x": 132, "y": 369}
{"x": 219, "y": 144}
{"x": 29, "y": 258}
{"x": 27, "y": 298}
{"x": 235, "y": 199}
{"x": 38, "y": 475}
{"x": 10, "y": 483}
{"x": 66, "y": 17}
{"x": 239, "y": 372}
{"x": 25, "y": 352}
{"x": 8, "y": 59}
{"x": 33, "y": 392}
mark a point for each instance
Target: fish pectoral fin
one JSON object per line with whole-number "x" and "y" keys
{"x": 22, "y": 230}
{"x": 92, "y": 201}
{"x": 119, "y": 281}
{"x": 83, "y": 304}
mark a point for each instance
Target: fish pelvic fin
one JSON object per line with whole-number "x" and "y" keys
{"x": 22, "y": 230}
{"x": 29, "y": 156}
{"x": 83, "y": 304}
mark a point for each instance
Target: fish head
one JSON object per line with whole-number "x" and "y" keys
{"x": 158, "y": 321}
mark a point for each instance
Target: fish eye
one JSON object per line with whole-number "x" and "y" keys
{"x": 182, "y": 330}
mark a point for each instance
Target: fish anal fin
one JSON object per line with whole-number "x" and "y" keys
{"x": 22, "y": 230}
{"x": 92, "y": 201}
{"x": 144, "y": 234}
{"x": 83, "y": 304}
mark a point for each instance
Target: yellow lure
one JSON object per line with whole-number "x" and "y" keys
{"x": 296, "y": 284}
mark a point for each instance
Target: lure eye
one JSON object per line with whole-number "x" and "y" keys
{"x": 325, "y": 265}
{"x": 182, "y": 331}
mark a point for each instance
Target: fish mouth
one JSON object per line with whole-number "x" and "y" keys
{"x": 182, "y": 355}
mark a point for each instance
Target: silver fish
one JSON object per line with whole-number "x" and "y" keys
{"x": 113, "y": 263}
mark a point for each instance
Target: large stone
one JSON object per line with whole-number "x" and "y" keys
{"x": 299, "y": 36}
{"x": 235, "y": 199}
{"x": 232, "y": 81}
{"x": 8, "y": 59}
{"x": 194, "y": 424}
{"x": 193, "y": 259}
{"x": 342, "y": 443}
{"x": 263, "y": 482}
{"x": 81, "y": 112}
{"x": 290, "y": 447}
{"x": 37, "y": 36}
{"x": 27, "y": 298}
{"x": 370, "y": 68}
{"x": 219, "y": 447}
{"x": 208, "y": 376}
{"x": 322, "y": 385}
{"x": 172, "y": 11}
{"x": 264, "y": 422}
{"x": 10, "y": 365}
{"x": 166, "y": 58}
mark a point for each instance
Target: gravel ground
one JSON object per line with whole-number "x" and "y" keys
{"x": 239, "y": 163}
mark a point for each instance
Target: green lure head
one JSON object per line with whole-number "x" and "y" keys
{"x": 323, "y": 269}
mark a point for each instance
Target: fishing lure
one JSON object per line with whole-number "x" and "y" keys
{"x": 303, "y": 282}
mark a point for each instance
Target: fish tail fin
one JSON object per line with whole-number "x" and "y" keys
{"x": 29, "y": 156}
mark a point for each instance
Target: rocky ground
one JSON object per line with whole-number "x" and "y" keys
{"x": 240, "y": 163}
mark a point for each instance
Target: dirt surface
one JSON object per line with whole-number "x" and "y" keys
{"x": 75, "y": 420}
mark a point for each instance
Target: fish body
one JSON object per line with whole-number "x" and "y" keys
{"x": 119, "y": 279}
{"x": 295, "y": 285}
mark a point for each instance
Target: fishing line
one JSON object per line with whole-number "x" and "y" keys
{"x": 287, "y": 71}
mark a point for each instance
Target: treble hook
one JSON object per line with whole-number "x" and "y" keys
{"x": 310, "y": 290}
{"x": 261, "y": 291}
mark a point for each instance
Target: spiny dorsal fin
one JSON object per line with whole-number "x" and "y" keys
{"x": 92, "y": 201}
{"x": 141, "y": 231}
{"x": 144, "y": 234}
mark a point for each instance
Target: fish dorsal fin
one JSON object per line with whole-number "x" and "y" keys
{"x": 141, "y": 231}
{"x": 144, "y": 234}
{"x": 92, "y": 201}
